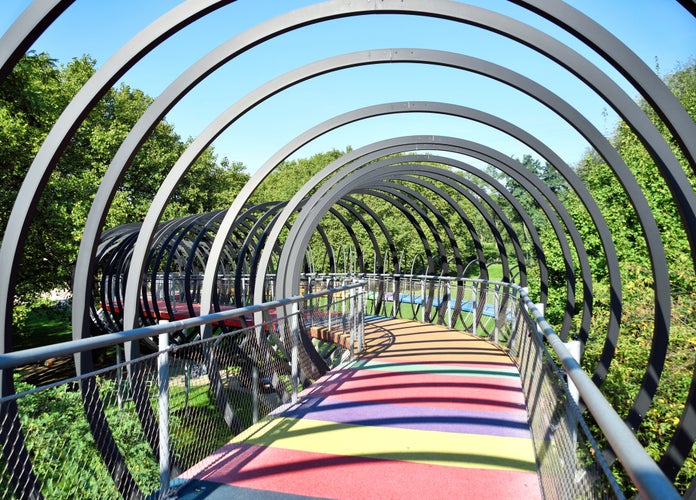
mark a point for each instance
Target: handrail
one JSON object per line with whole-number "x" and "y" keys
{"x": 19, "y": 358}
{"x": 643, "y": 471}
{"x": 646, "y": 475}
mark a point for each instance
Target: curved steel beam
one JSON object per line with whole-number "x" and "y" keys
{"x": 19, "y": 37}
{"x": 689, "y": 5}
{"x": 392, "y": 187}
{"x": 434, "y": 174}
{"x": 68, "y": 122}
{"x": 205, "y": 288}
{"x": 673, "y": 175}
{"x": 402, "y": 197}
{"x": 465, "y": 188}
{"x": 401, "y": 205}
{"x": 353, "y": 238}
{"x": 510, "y": 28}
{"x": 385, "y": 148}
{"x": 37, "y": 177}
{"x": 490, "y": 156}
{"x": 626, "y": 62}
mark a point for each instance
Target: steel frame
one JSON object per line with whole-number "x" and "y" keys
{"x": 113, "y": 249}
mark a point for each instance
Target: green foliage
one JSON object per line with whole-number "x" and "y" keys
{"x": 290, "y": 176}
{"x": 66, "y": 460}
{"x": 408, "y": 244}
{"x": 626, "y": 371}
{"x": 31, "y": 99}
{"x": 41, "y": 322}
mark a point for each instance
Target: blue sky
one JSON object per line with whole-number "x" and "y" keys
{"x": 661, "y": 32}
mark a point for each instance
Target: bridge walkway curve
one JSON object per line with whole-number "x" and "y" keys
{"x": 424, "y": 412}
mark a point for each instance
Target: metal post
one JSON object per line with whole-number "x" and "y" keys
{"x": 352, "y": 322}
{"x": 445, "y": 285}
{"x": 294, "y": 353}
{"x": 363, "y": 300}
{"x": 515, "y": 304}
{"x": 423, "y": 300}
{"x": 255, "y": 379}
{"x": 119, "y": 377}
{"x": 163, "y": 371}
{"x": 474, "y": 307}
{"x": 311, "y": 301}
{"x": 343, "y": 302}
{"x": 495, "y": 318}
{"x": 329, "y": 300}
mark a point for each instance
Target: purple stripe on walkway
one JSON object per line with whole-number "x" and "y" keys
{"x": 504, "y": 424}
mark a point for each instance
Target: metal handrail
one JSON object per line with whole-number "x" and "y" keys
{"x": 643, "y": 471}
{"x": 646, "y": 475}
{"x": 19, "y": 358}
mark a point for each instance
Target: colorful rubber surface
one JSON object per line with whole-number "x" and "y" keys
{"x": 427, "y": 412}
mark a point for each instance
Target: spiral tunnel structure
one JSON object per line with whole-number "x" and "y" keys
{"x": 135, "y": 274}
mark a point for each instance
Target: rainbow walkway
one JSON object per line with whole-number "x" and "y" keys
{"x": 426, "y": 412}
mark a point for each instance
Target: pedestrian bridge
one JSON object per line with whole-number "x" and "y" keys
{"x": 320, "y": 344}
{"x": 474, "y": 404}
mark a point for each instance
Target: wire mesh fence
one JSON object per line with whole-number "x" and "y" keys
{"x": 101, "y": 435}
{"x": 570, "y": 463}
{"x": 108, "y": 434}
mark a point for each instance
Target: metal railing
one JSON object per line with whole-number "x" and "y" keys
{"x": 130, "y": 428}
{"x": 168, "y": 410}
{"x": 463, "y": 304}
{"x": 570, "y": 463}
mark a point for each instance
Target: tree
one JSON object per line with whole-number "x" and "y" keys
{"x": 31, "y": 99}
{"x": 622, "y": 383}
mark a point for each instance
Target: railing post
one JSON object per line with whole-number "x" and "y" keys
{"x": 359, "y": 317}
{"x": 294, "y": 353}
{"x": 496, "y": 291}
{"x": 363, "y": 306}
{"x": 449, "y": 300}
{"x": 311, "y": 302}
{"x": 474, "y": 309}
{"x": 119, "y": 377}
{"x": 423, "y": 300}
{"x": 515, "y": 305}
{"x": 163, "y": 372}
{"x": 329, "y": 300}
{"x": 255, "y": 378}
{"x": 352, "y": 322}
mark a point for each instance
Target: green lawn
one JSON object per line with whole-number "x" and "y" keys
{"x": 45, "y": 325}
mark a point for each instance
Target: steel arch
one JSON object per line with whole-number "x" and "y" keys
{"x": 568, "y": 18}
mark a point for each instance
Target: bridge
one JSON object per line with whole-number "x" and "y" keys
{"x": 246, "y": 352}
{"x": 402, "y": 402}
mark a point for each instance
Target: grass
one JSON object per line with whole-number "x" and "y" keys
{"x": 45, "y": 325}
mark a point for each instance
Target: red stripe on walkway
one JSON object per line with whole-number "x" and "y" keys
{"x": 334, "y": 476}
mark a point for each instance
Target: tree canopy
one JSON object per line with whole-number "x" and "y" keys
{"x": 31, "y": 99}
{"x": 634, "y": 342}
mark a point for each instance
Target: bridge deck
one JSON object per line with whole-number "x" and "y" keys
{"x": 426, "y": 412}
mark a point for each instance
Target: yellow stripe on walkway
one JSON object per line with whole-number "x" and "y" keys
{"x": 430, "y": 447}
